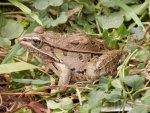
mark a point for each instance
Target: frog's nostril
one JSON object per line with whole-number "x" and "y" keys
{"x": 24, "y": 39}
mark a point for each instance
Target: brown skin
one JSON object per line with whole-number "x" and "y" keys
{"x": 72, "y": 56}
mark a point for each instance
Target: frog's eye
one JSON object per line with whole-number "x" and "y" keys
{"x": 36, "y": 41}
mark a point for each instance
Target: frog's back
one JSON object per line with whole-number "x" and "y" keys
{"x": 75, "y": 42}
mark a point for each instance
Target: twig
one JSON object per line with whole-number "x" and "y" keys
{"x": 28, "y": 93}
{"x": 15, "y": 103}
{"x": 16, "y": 12}
{"x": 18, "y": 16}
{"x": 67, "y": 86}
{"x": 45, "y": 88}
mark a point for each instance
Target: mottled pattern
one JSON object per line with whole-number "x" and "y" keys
{"x": 73, "y": 56}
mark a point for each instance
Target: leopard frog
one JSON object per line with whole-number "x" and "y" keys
{"x": 72, "y": 56}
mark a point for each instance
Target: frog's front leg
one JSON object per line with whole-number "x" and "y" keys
{"x": 64, "y": 76}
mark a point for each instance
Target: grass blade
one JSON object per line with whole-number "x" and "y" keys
{"x": 21, "y": 6}
{"x": 14, "y": 67}
{"x": 26, "y": 10}
{"x": 11, "y": 53}
{"x": 130, "y": 12}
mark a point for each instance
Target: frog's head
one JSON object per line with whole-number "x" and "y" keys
{"x": 35, "y": 38}
{"x": 35, "y": 42}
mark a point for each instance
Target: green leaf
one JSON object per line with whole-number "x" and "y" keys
{"x": 142, "y": 55}
{"x": 137, "y": 33}
{"x": 55, "y": 2}
{"x": 66, "y": 104}
{"x": 5, "y": 42}
{"x": 111, "y": 42}
{"x": 114, "y": 95}
{"x": 21, "y": 6}
{"x": 134, "y": 81}
{"x": 41, "y": 4}
{"x": 109, "y": 39}
{"x": 92, "y": 101}
{"x": 88, "y": 6}
{"x": 96, "y": 110}
{"x": 31, "y": 81}
{"x": 14, "y": 67}
{"x": 16, "y": 47}
{"x": 139, "y": 109}
{"x": 60, "y": 20}
{"x": 105, "y": 83}
{"x": 129, "y": 12}
{"x": 117, "y": 84}
{"x": 146, "y": 97}
{"x": 122, "y": 31}
{"x": 11, "y": 30}
{"x": 48, "y": 22}
{"x": 2, "y": 21}
{"x": 108, "y": 3}
{"x": 85, "y": 108}
{"x": 114, "y": 20}
{"x": 52, "y": 104}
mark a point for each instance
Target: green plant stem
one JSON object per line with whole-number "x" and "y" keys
{"x": 146, "y": 23}
{"x": 98, "y": 27}
{"x": 6, "y": 4}
{"x": 127, "y": 60}
{"x": 16, "y": 12}
{"x": 129, "y": 93}
{"x": 79, "y": 96}
{"x": 124, "y": 100}
{"x": 98, "y": 35}
{"x": 122, "y": 70}
{"x": 140, "y": 90}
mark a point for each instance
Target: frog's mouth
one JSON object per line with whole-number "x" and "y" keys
{"x": 26, "y": 42}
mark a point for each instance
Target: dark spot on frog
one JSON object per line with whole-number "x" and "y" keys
{"x": 64, "y": 53}
{"x": 81, "y": 72}
{"x": 93, "y": 42}
{"x": 80, "y": 56}
{"x": 92, "y": 55}
{"x": 72, "y": 69}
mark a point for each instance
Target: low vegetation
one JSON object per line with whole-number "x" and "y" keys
{"x": 123, "y": 24}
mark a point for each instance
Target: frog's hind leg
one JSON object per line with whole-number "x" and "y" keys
{"x": 106, "y": 64}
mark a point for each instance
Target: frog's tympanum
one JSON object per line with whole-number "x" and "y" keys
{"x": 72, "y": 56}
